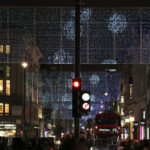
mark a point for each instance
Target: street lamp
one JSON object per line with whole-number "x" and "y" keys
{"x": 106, "y": 93}
{"x": 24, "y": 65}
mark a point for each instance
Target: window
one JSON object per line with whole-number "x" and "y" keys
{"x": 107, "y": 120}
{"x": 7, "y": 71}
{"x": 7, "y": 49}
{"x": 131, "y": 91}
{"x": 1, "y": 71}
{"x": 122, "y": 99}
{"x": 6, "y": 108}
{"x": 1, "y": 86}
{"x": 1, "y": 108}
{"x": 143, "y": 114}
{"x": 122, "y": 112}
{"x": 8, "y": 87}
{"x": 1, "y": 48}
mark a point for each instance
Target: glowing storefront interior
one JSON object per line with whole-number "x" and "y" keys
{"x": 7, "y": 130}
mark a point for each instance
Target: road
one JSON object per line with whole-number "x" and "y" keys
{"x": 106, "y": 147}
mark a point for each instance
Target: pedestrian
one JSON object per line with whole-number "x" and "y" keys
{"x": 18, "y": 144}
{"x": 67, "y": 143}
{"x": 121, "y": 148}
{"x": 82, "y": 143}
{"x": 145, "y": 148}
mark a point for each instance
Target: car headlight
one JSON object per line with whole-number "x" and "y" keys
{"x": 115, "y": 130}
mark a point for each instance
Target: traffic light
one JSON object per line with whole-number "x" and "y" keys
{"x": 76, "y": 89}
{"x": 85, "y": 102}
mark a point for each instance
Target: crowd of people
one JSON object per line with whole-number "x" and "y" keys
{"x": 26, "y": 144}
{"x": 68, "y": 142}
{"x": 134, "y": 145}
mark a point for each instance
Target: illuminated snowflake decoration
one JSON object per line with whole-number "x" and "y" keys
{"x": 70, "y": 81}
{"x": 93, "y": 98}
{"x": 109, "y": 61}
{"x": 66, "y": 97}
{"x": 85, "y": 14}
{"x": 69, "y": 106}
{"x": 117, "y": 23}
{"x": 94, "y": 79}
{"x": 49, "y": 58}
{"x": 85, "y": 117}
{"x": 69, "y": 30}
{"x": 92, "y": 108}
{"x": 61, "y": 57}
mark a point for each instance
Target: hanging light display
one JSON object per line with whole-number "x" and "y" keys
{"x": 69, "y": 30}
{"x": 94, "y": 79}
{"x": 61, "y": 57}
{"x": 117, "y": 23}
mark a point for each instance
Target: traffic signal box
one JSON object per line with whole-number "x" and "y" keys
{"x": 84, "y": 106}
{"x": 80, "y": 99}
{"x": 76, "y": 89}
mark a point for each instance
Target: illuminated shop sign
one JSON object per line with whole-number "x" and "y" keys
{"x": 142, "y": 123}
{"x": 7, "y": 126}
{"x": 136, "y": 124}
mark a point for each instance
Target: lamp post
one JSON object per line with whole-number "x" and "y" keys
{"x": 127, "y": 120}
{"x": 131, "y": 127}
{"x": 130, "y": 121}
{"x": 24, "y": 65}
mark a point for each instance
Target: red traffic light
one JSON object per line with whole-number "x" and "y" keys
{"x": 76, "y": 84}
{"x": 85, "y": 106}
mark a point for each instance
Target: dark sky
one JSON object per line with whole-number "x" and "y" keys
{"x": 71, "y": 3}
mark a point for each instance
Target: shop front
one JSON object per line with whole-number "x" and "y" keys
{"x": 7, "y": 130}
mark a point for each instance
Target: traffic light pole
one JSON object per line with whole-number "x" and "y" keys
{"x": 77, "y": 61}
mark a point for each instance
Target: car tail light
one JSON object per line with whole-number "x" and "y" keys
{"x": 51, "y": 148}
{"x": 96, "y": 127}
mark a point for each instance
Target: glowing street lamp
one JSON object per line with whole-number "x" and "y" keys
{"x": 106, "y": 93}
{"x": 24, "y": 64}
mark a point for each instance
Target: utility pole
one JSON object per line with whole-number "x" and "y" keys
{"x": 77, "y": 61}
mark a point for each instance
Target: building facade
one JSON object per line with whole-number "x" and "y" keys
{"x": 19, "y": 100}
{"x": 135, "y": 93}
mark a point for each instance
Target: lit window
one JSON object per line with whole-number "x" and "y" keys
{"x": 7, "y": 49}
{"x": 144, "y": 114}
{"x": 122, "y": 123}
{"x": 1, "y": 108}
{"x": 1, "y": 86}
{"x": 7, "y": 71}
{"x": 122, "y": 99}
{"x": 8, "y": 87}
{"x": 1, "y": 48}
{"x": 122, "y": 112}
{"x": 131, "y": 91}
{"x": 7, "y": 108}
